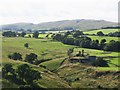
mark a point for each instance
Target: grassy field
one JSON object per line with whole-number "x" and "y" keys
{"x": 51, "y": 48}
{"x": 105, "y": 31}
{"x": 40, "y": 35}
{"x": 55, "y": 51}
{"x": 53, "y": 64}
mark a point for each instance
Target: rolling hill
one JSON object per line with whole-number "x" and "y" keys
{"x": 82, "y": 24}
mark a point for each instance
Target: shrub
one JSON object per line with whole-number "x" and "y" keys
{"x": 15, "y": 56}
{"x": 100, "y": 62}
{"x": 26, "y": 45}
{"x": 31, "y": 58}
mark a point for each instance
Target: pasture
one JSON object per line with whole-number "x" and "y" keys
{"x": 52, "y": 49}
{"x": 55, "y": 52}
{"x": 105, "y": 31}
{"x": 40, "y": 35}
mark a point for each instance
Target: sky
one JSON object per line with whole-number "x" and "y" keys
{"x": 37, "y": 11}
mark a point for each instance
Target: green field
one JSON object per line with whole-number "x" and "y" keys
{"x": 40, "y": 35}
{"x": 52, "y": 49}
{"x": 105, "y": 31}
{"x": 55, "y": 51}
{"x": 55, "y": 54}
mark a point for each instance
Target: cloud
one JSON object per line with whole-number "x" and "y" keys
{"x": 36, "y": 11}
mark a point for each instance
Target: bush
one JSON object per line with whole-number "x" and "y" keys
{"x": 15, "y": 56}
{"x": 31, "y": 58}
{"x": 26, "y": 45}
{"x": 100, "y": 62}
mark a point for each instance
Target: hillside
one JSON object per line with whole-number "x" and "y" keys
{"x": 59, "y": 72}
{"x": 83, "y": 24}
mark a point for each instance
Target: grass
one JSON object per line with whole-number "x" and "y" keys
{"x": 105, "y": 31}
{"x": 56, "y": 51}
{"x": 52, "y": 48}
{"x": 40, "y": 35}
{"x": 83, "y": 76}
{"x": 53, "y": 64}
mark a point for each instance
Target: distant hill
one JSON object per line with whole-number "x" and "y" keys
{"x": 81, "y": 24}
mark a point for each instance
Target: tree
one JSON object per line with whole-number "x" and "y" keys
{"x": 31, "y": 58}
{"x": 95, "y": 44}
{"x": 112, "y": 46}
{"x": 100, "y": 33}
{"x": 29, "y": 36}
{"x": 58, "y": 37}
{"x": 67, "y": 33}
{"x": 22, "y": 71}
{"x": 8, "y": 72}
{"x": 102, "y": 44}
{"x": 26, "y": 45}
{"x": 70, "y": 51}
{"x": 100, "y": 62}
{"x": 34, "y": 75}
{"x": 77, "y": 33}
{"x": 36, "y": 34}
{"x": 47, "y": 35}
{"x": 9, "y": 34}
{"x": 23, "y": 34}
{"x": 27, "y": 74}
{"x": 15, "y": 56}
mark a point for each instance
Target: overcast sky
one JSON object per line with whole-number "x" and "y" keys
{"x": 37, "y": 11}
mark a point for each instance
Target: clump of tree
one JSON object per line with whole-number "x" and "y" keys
{"x": 31, "y": 58}
{"x": 23, "y": 34}
{"x": 15, "y": 56}
{"x": 27, "y": 74}
{"x": 8, "y": 72}
{"x": 114, "y": 34}
{"x": 112, "y": 46}
{"x": 58, "y": 37}
{"x": 77, "y": 34}
{"x": 100, "y": 33}
{"x": 99, "y": 62}
{"x": 102, "y": 44}
{"x": 22, "y": 75}
{"x": 67, "y": 33}
{"x": 9, "y": 34}
{"x": 36, "y": 34}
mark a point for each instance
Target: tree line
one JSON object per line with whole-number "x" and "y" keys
{"x": 111, "y": 34}
{"x": 79, "y": 39}
{"x": 14, "y": 34}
